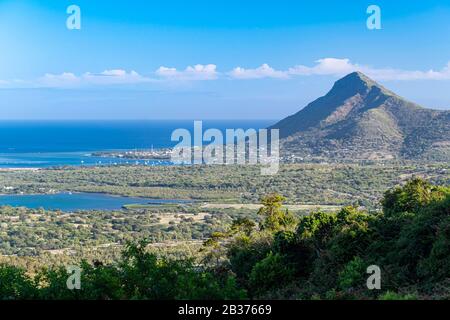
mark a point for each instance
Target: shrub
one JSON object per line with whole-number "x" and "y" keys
{"x": 270, "y": 273}
{"x": 353, "y": 274}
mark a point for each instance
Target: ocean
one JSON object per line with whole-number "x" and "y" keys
{"x": 41, "y": 144}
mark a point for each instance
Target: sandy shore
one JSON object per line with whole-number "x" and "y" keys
{"x": 18, "y": 169}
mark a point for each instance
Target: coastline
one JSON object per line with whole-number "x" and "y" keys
{"x": 18, "y": 169}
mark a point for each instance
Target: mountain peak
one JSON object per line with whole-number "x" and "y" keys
{"x": 354, "y": 83}
{"x": 360, "y": 76}
{"x": 360, "y": 118}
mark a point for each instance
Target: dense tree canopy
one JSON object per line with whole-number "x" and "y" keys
{"x": 318, "y": 256}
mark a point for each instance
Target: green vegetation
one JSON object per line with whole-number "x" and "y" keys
{"x": 138, "y": 275}
{"x": 27, "y": 232}
{"x": 282, "y": 256}
{"x": 308, "y": 183}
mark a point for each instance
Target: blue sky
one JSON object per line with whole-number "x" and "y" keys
{"x": 212, "y": 59}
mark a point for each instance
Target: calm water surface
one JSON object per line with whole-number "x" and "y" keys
{"x": 76, "y": 201}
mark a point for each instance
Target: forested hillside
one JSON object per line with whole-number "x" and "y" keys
{"x": 322, "y": 255}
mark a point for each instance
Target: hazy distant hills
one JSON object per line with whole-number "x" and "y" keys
{"x": 360, "y": 119}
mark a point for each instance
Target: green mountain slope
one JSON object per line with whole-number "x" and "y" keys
{"x": 360, "y": 119}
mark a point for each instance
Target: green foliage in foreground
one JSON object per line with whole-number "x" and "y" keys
{"x": 320, "y": 256}
{"x": 327, "y": 254}
{"x": 139, "y": 275}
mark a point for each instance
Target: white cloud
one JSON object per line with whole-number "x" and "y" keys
{"x": 326, "y": 66}
{"x": 116, "y": 76}
{"x": 107, "y": 77}
{"x": 340, "y": 67}
{"x": 65, "y": 79}
{"x": 116, "y": 73}
{"x": 264, "y": 71}
{"x": 404, "y": 75}
{"x": 195, "y": 73}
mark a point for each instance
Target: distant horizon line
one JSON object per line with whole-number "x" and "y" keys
{"x": 162, "y": 119}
